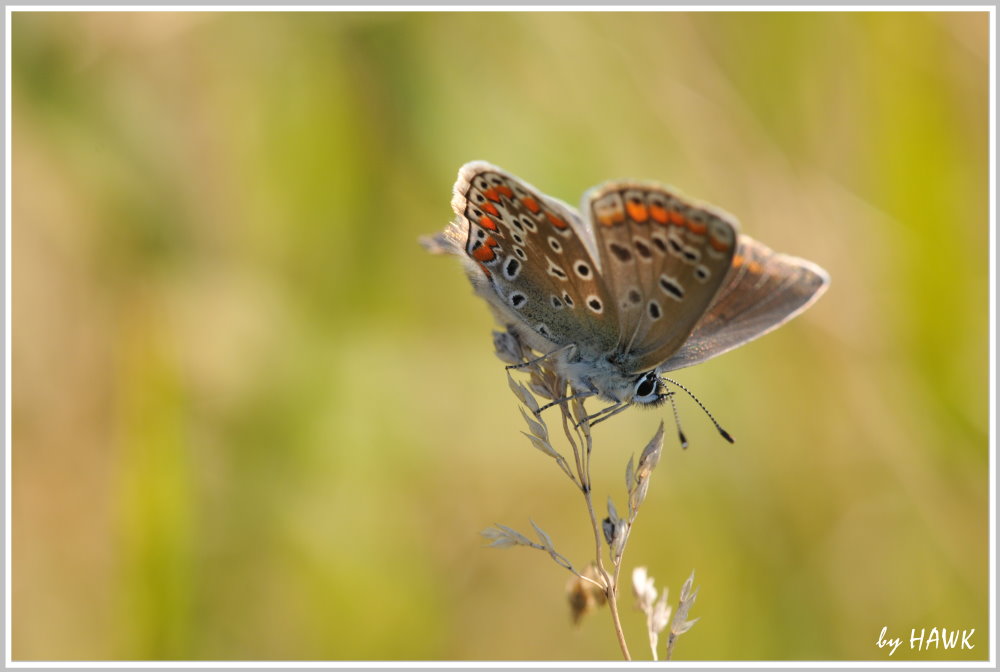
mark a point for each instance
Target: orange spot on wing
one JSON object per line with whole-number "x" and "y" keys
{"x": 490, "y": 208}
{"x": 556, "y": 221}
{"x": 485, "y": 270}
{"x": 531, "y": 204}
{"x": 637, "y": 211}
{"x": 491, "y": 194}
{"x": 484, "y": 253}
{"x": 609, "y": 220}
{"x": 505, "y": 191}
{"x": 722, "y": 246}
{"x": 677, "y": 218}
{"x": 658, "y": 213}
{"x": 697, "y": 228}
{"x": 737, "y": 258}
{"x": 487, "y": 223}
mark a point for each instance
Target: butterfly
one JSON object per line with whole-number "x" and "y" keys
{"x": 640, "y": 282}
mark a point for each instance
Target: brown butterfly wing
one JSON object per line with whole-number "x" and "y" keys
{"x": 535, "y": 255}
{"x": 762, "y": 291}
{"x": 664, "y": 258}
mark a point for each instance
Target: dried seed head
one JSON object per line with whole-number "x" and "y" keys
{"x": 615, "y": 529}
{"x": 680, "y": 624}
{"x": 686, "y": 588}
{"x": 584, "y": 596}
{"x": 580, "y": 414}
{"x": 542, "y": 536}
{"x": 608, "y": 526}
{"x": 540, "y": 388}
{"x": 660, "y": 616}
{"x": 507, "y": 347}
{"x": 537, "y": 428}
{"x": 543, "y": 446}
{"x": 644, "y": 589}
{"x": 522, "y": 393}
{"x": 650, "y": 455}
{"x": 505, "y": 537}
{"x": 637, "y": 497}
{"x": 613, "y": 512}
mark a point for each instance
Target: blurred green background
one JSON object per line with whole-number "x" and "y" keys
{"x": 252, "y": 419}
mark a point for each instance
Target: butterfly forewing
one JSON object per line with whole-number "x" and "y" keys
{"x": 663, "y": 258}
{"x": 762, "y": 291}
{"x": 534, "y": 252}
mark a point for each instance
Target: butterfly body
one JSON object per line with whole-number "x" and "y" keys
{"x": 644, "y": 281}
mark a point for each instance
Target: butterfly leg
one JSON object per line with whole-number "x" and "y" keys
{"x": 604, "y": 414}
{"x": 578, "y": 395}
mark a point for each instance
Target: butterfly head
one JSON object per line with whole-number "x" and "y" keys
{"x": 613, "y": 384}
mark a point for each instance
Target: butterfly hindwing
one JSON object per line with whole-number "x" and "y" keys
{"x": 664, "y": 259}
{"x": 762, "y": 290}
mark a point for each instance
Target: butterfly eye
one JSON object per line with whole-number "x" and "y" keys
{"x": 647, "y": 388}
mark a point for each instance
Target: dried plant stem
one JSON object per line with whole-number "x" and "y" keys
{"x": 611, "y": 581}
{"x": 597, "y": 584}
{"x": 614, "y": 582}
{"x": 583, "y": 471}
{"x": 618, "y": 565}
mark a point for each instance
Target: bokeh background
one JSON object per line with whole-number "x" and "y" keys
{"x": 252, "y": 419}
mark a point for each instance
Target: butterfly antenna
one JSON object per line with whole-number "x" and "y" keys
{"x": 711, "y": 417}
{"x": 677, "y": 420}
